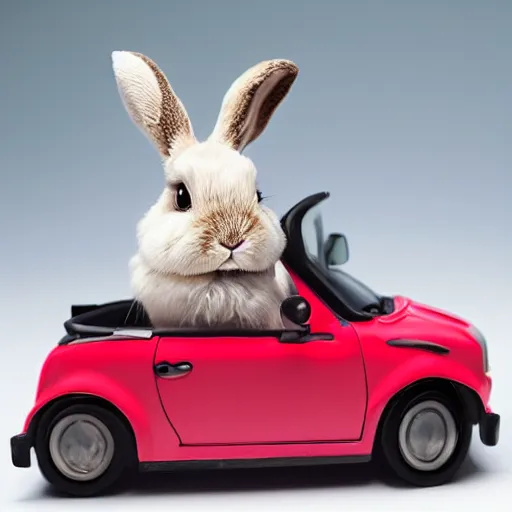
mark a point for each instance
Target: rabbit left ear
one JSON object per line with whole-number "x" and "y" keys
{"x": 151, "y": 102}
{"x": 251, "y": 101}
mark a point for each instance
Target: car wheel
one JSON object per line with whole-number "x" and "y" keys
{"x": 83, "y": 449}
{"x": 425, "y": 438}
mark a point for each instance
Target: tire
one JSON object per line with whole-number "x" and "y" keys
{"x": 405, "y": 450}
{"x": 114, "y": 456}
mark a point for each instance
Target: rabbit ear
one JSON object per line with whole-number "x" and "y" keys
{"x": 151, "y": 102}
{"x": 251, "y": 101}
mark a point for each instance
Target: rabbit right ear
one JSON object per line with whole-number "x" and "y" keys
{"x": 151, "y": 103}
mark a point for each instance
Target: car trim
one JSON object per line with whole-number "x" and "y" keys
{"x": 251, "y": 463}
{"x": 20, "y": 450}
{"x": 489, "y": 428}
{"x": 285, "y": 336}
{"x": 418, "y": 344}
{"x": 113, "y": 337}
{"x": 134, "y": 333}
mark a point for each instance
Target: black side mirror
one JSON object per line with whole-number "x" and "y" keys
{"x": 296, "y": 309}
{"x": 336, "y": 250}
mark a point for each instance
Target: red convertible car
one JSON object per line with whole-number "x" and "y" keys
{"x": 360, "y": 376}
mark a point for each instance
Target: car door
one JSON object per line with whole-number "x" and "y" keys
{"x": 253, "y": 388}
{"x": 258, "y": 390}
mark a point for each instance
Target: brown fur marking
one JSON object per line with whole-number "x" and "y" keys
{"x": 228, "y": 226}
{"x": 174, "y": 122}
{"x": 242, "y": 103}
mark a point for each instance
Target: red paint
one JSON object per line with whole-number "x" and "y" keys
{"x": 118, "y": 371}
{"x": 322, "y": 398}
{"x": 257, "y": 390}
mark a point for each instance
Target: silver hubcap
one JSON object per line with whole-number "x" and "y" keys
{"x": 81, "y": 447}
{"x": 427, "y": 436}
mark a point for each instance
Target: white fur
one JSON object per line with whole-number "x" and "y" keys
{"x": 181, "y": 274}
{"x": 138, "y": 88}
{"x": 244, "y": 300}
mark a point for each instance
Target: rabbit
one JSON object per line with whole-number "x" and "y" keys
{"x": 208, "y": 250}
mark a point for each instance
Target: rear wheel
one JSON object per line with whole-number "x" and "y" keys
{"x": 425, "y": 438}
{"x": 83, "y": 449}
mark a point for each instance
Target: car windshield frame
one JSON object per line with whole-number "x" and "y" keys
{"x": 347, "y": 297}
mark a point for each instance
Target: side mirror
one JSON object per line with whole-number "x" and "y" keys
{"x": 336, "y": 250}
{"x": 296, "y": 309}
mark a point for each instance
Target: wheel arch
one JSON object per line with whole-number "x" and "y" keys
{"x": 59, "y": 403}
{"x": 468, "y": 399}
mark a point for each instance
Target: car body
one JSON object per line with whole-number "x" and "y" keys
{"x": 338, "y": 388}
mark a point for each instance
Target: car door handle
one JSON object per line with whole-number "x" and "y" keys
{"x": 167, "y": 370}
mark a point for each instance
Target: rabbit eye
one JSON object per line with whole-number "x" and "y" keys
{"x": 259, "y": 195}
{"x": 183, "y": 201}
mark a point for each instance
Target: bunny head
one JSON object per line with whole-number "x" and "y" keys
{"x": 209, "y": 217}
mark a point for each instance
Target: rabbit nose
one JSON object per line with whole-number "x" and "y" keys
{"x": 232, "y": 247}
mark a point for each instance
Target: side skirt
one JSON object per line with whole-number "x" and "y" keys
{"x": 250, "y": 463}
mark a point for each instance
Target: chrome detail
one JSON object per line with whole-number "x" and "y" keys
{"x": 119, "y": 334}
{"x": 427, "y": 436}
{"x": 134, "y": 333}
{"x": 81, "y": 447}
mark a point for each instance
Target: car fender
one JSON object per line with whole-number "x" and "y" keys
{"x": 98, "y": 385}
{"x": 413, "y": 370}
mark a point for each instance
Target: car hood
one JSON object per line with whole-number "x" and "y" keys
{"x": 416, "y": 321}
{"x": 406, "y": 307}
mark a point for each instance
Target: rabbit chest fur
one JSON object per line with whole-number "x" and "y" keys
{"x": 220, "y": 300}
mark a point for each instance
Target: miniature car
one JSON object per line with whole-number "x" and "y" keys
{"x": 361, "y": 376}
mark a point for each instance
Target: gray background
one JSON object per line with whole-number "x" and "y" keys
{"x": 402, "y": 110}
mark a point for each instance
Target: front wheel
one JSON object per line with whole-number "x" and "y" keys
{"x": 425, "y": 438}
{"x": 83, "y": 449}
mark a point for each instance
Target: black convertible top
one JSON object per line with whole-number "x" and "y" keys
{"x": 91, "y": 320}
